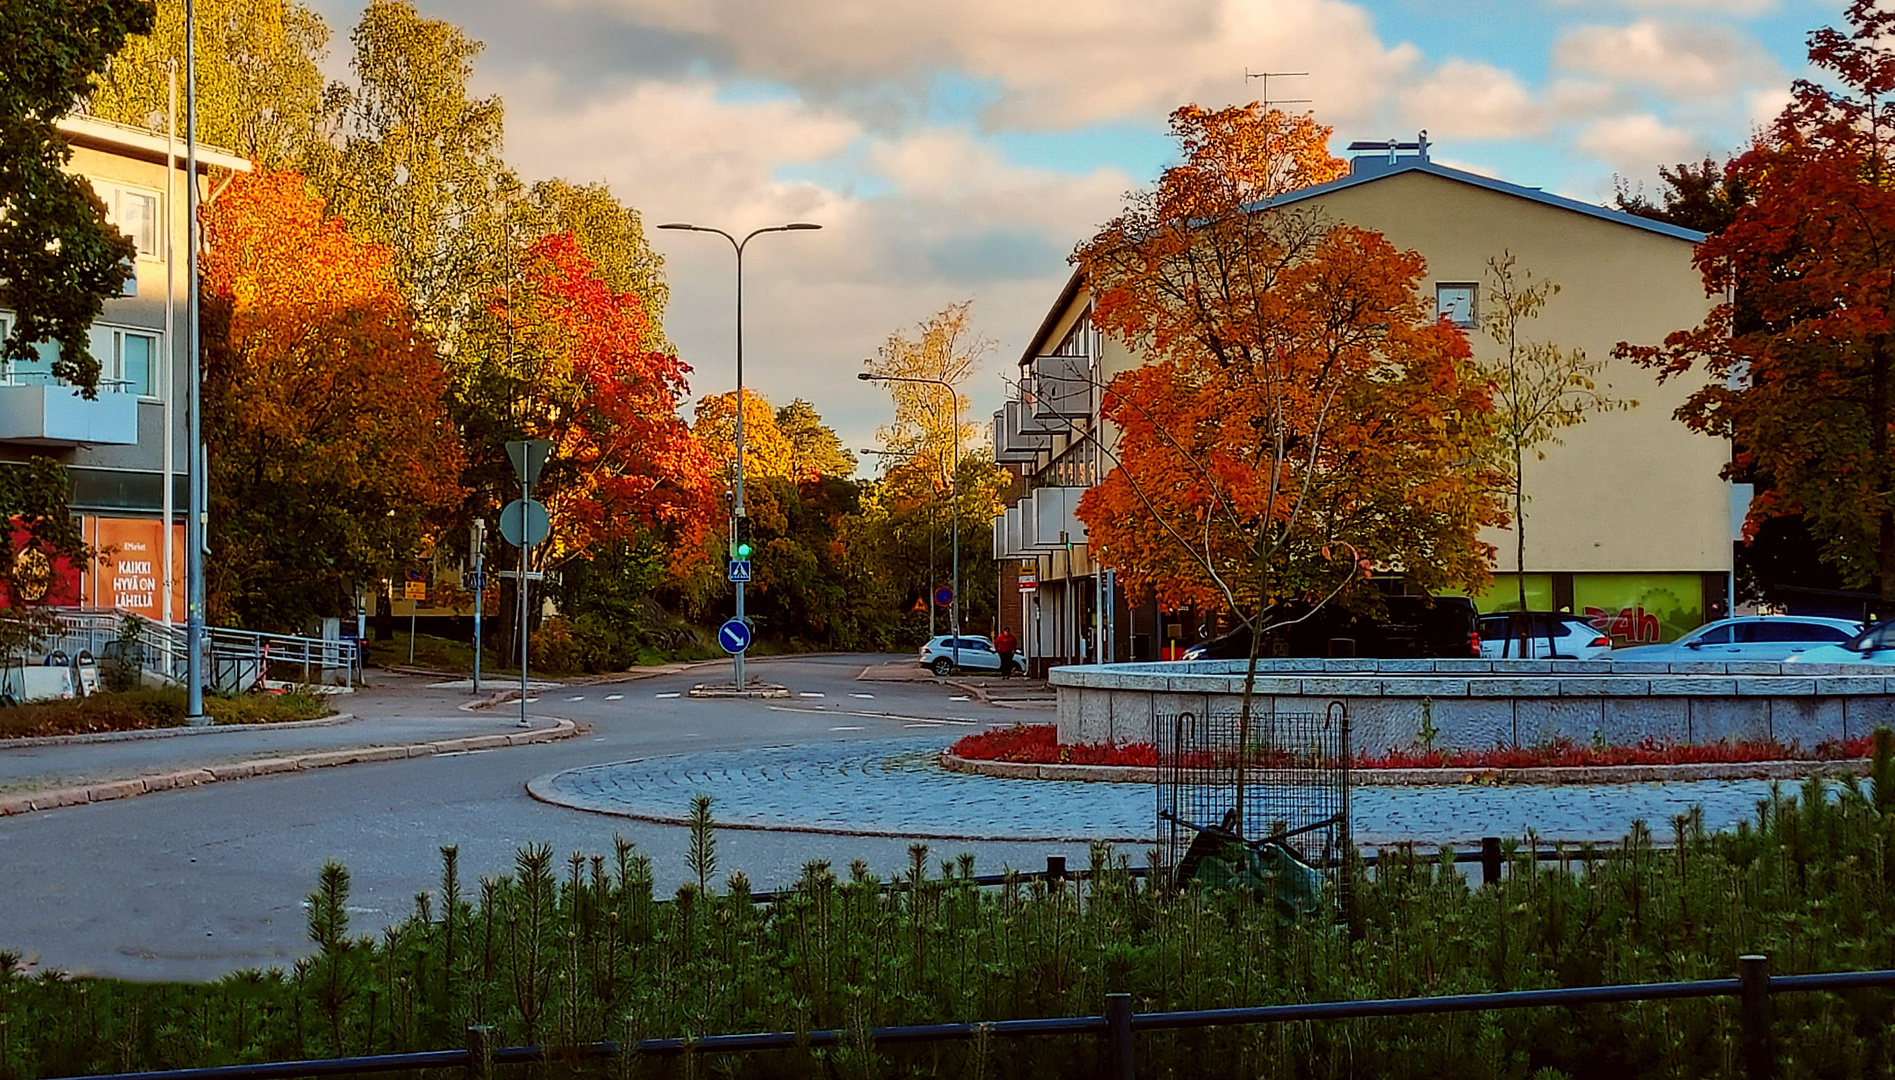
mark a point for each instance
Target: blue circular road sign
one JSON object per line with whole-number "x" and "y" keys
{"x": 734, "y": 636}
{"x": 943, "y": 596}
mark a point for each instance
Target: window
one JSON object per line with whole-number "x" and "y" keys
{"x": 1775, "y": 630}
{"x": 134, "y": 211}
{"x": 1720, "y": 635}
{"x": 128, "y": 360}
{"x": 1454, "y": 301}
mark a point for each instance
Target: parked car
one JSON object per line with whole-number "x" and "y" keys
{"x": 1414, "y": 627}
{"x": 1541, "y": 635}
{"x": 976, "y": 654}
{"x": 1748, "y": 637}
{"x": 1876, "y": 645}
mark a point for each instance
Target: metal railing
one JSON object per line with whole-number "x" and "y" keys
{"x": 238, "y": 660}
{"x": 1118, "y": 1025}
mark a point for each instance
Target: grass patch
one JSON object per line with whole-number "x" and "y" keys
{"x": 138, "y": 710}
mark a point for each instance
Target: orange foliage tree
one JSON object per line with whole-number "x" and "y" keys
{"x": 331, "y": 454}
{"x": 624, "y": 468}
{"x": 768, "y": 454}
{"x": 1302, "y": 415}
{"x": 1799, "y": 364}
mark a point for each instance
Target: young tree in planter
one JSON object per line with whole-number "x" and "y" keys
{"x": 1301, "y": 416}
{"x": 1539, "y": 388}
{"x": 1800, "y": 370}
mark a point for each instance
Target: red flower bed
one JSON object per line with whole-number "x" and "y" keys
{"x": 1040, "y": 745}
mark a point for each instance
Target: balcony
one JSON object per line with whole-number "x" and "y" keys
{"x": 51, "y": 415}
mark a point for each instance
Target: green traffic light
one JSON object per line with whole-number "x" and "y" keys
{"x": 743, "y": 551}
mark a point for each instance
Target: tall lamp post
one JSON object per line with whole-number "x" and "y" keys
{"x": 737, "y": 489}
{"x": 194, "y": 421}
{"x": 954, "y": 497}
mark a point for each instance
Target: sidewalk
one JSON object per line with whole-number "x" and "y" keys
{"x": 396, "y": 712}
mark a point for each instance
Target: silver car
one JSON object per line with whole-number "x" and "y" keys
{"x": 1876, "y": 645}
{"x": 1747, "y": 637}
{"x": 976, "y": 654}
{"x": 1541, "y": 635}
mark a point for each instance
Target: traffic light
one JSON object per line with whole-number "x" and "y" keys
{"x": 740, "y": 541}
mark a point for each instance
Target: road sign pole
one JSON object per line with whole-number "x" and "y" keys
{"x": 480, "y": 588}
{"x": 526, "y": 555}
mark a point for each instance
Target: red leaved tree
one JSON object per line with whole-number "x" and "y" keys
{"x": 331, "y": 455}
{"x": 1301, "y": 415}
{"x": 625, "y": 469}
{"x": 1799, "y": 365}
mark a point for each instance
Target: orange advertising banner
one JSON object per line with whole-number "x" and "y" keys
{"x": 128, "y": 573}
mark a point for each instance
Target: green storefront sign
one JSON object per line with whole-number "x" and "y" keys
{"x": 1631, "y": 609}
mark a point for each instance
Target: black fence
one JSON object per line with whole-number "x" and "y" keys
{"x": 1118, "y": 1026}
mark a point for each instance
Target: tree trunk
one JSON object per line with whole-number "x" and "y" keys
{"x": 1520, "y": 528}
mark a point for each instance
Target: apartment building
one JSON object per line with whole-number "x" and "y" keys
{"x": 1628, "y": 521}
{"x": 126, "y": 451}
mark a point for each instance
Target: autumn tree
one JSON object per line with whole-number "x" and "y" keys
{"x": 1539, "y": 388}
{"x": 767, "y": 454}
{"x": 1301, "y": 416}
{"x": 624, "y": 467}
{"x": 1798, "y": 365}
{"x": 331, "y": 455}
{"x": 260, "y": 87}
{"x": 815, "y": 449}
{"x": 59, "y": 258}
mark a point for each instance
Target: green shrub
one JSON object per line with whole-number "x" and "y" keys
{"x": 581, "y": 949}
{"x": 160, "y": 707}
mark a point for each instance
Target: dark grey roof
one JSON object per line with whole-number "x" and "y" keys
{"x": 1369, "y": 170}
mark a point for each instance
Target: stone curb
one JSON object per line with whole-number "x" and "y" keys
{"x": 1538, "y": 775}
{"x": 169, "y": 732}
{"x": 210, "y": 774}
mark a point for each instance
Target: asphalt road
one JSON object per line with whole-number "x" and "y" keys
{"x": 196, "y": 883}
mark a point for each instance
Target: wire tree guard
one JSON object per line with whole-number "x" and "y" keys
{"x": 1269, "y": 780}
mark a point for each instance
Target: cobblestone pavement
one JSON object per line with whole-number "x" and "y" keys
{"x": 892, "y": 787}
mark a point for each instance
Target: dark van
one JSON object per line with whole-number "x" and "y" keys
{"x": 1413, "y": 628}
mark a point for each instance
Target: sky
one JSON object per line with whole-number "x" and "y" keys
{"x": 958, "y": 149}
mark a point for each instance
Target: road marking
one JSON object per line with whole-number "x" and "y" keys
{"x": 530, "y": 700}
{"x": 846, "y": 728}
{"x": 613, "y": 697}
{"x": 582, "y": 697}
{"x": 672, "y": 694}
{"x": 810, "y": 693}
{"x": 862, "y": 695}
{"x": 963, "y": 697}
{"x": 958, "y": 721}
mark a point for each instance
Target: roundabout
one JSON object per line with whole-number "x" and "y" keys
{"x": 897, "y": 787}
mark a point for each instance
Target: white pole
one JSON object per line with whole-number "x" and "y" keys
{"x": 194, "y": 522}
{"x": 168, "y": 362}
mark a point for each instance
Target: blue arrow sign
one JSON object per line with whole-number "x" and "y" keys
{"x": 740, "y": 569}
{"x": 734, "y": 636}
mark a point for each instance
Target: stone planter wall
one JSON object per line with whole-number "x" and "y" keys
{"x": 1482, "y": 703}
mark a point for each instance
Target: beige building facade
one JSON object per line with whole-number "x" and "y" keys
{"x": 1627, "y": 518}
{"x": 126, "y": 451}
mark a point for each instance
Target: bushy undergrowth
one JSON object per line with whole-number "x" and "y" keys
{"x": 133, "y": 710}
{"x": 1039, "y": 744}
{"x": 560, "y": 953}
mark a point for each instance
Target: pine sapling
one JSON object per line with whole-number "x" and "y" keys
{"x": 701, "y": 858}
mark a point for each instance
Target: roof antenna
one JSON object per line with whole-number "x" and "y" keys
{"x": 1266, "y": 76}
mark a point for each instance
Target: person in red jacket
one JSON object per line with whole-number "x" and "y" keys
{"x": 1005, "y": 644}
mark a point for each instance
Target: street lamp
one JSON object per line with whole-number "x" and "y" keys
{"x": 954, "y": 496}
{"x": 737, "y": 510}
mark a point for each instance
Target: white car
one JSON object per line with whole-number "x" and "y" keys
{"x": 1506, "y": 636}
{"x": 1748, "y": 637}
{"x": 976, "y": 654}
{"x": 1876, "y": 645}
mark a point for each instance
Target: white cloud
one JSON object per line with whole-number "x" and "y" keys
{"x": 1056, "y": 65}
{"x": 1637, "y": 144}
{"x": 1466, "y": 100}
{"x": 1700, "y": 61}
{"x": 946, "y": 217}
